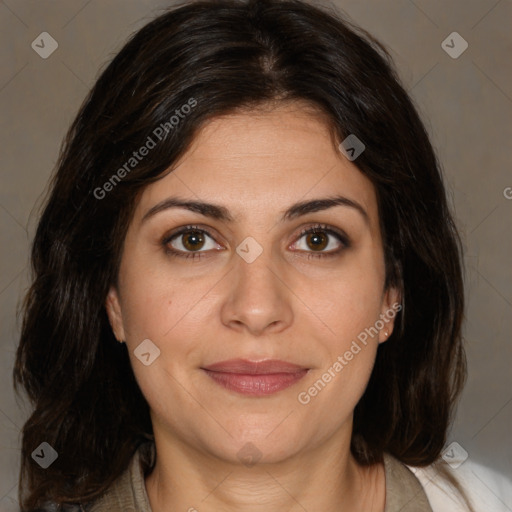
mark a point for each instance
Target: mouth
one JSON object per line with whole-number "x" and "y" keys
{"x": 255, "y": 378}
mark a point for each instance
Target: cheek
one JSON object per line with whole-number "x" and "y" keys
{"x": 159, "y": 308}
{"x": 146, "y": 309}
{"x": 349, "y": 300}
{"x": 160, "y": 305}
{"x": 349, "y": 349}
{"x": 349, "y": 305}
{"x": 148, "y": 295}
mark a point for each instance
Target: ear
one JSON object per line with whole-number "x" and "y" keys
{"x": 390, "y": 307}
{"x": 113, "y": 307}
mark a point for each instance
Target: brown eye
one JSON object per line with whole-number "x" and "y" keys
{"x": 189, "y": 241}
{"x": 193, "y": 240}
{"x": 317, "y": 241}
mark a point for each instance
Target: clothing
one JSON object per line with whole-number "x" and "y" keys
{"x": 486, "y": 489}
{"x": 404, "y": 492}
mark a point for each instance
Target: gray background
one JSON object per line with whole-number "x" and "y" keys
{"x": 466, "y": 104}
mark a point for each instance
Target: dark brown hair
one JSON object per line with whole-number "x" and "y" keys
{"x": 229, "y": 56}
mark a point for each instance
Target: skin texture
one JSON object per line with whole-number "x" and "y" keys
{"x": 281, "y": 306}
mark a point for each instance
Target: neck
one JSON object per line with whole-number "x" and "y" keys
{"x": 185, "y": 478}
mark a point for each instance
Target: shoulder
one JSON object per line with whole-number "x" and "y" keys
{"x": 127, "y": 494}
{"x": 485, "y": 488}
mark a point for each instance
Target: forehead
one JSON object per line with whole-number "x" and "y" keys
{"x": 259, "y": 162}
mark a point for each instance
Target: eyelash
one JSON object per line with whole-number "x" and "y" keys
{"x": 322, "y": 228}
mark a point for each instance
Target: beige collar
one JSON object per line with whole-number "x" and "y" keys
{"x": 404, "y": 492}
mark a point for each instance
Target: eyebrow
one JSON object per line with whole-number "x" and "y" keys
{"x": 221, "y": 213}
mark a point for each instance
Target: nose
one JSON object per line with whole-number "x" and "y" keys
{"x": 258, "y": 298}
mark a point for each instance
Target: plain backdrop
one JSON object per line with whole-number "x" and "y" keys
{"x": 466, "y": 103}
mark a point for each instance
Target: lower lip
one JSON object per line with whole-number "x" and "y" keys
{"x": 256, "y": 385}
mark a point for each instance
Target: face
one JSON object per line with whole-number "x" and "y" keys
{"x": 256, "y": 278}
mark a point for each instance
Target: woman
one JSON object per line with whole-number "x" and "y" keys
{"x": 249, "y": 203}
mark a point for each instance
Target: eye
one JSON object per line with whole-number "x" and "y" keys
{"x": 193, "y": 242}
{"x": 319, "y": 238}
{"x": 189, "y": 242}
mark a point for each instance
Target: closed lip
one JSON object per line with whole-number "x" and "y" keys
{"x": 247, "y": 367}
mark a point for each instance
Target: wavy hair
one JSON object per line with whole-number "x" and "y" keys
{"x": 229, "y": 56}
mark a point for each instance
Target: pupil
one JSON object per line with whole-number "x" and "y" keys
{"x": 319, "y": 240}
{"x": 193, "y": 239}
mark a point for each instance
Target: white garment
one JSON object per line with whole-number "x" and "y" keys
{"x": 487, "y": 490}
